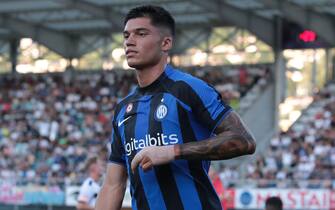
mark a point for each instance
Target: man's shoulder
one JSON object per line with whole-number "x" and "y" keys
{"x": 86, "y": 183}
{"x": 189, "y": 81}
{"x": 177, "y": 74}
{"x": 182, "y": 75}
{"x": 89, "y": 182}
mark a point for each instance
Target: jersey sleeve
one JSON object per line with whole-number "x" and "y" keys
{"x": 207, "y": 104}
{"x": 86, "y": 192}
{"x": 117, "y": 149}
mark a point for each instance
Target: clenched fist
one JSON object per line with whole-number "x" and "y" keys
{"x": 152, "y": 156}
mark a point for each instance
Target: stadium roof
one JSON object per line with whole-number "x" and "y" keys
{"x": 74, "y": 27}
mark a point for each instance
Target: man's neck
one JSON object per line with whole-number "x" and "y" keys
{"x": 147, "y": 76}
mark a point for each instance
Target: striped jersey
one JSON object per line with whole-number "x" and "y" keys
{"x": 176, "y": 108}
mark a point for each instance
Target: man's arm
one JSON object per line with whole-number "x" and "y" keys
{"x": 232, "y": 140}
{"x": 112, "y": 191}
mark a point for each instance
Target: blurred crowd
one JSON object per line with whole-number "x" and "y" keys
{"x": 233, "y": 83}
{"x": 304, "y": 156}
{"x": 51, "y": 123}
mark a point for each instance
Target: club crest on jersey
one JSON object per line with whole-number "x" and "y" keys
{"x": 129, "y": 107}
{"x": 161, "y": 112}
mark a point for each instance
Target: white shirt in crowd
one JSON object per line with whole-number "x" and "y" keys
{"x": 89, "y": 191}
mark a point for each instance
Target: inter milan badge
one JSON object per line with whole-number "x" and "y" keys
{"x": 129, "y": 108}
{"x": 161, "y": 111}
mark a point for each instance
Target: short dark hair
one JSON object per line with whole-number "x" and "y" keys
{"x": 158, "y": 15}
{"x": 274, "y": 203}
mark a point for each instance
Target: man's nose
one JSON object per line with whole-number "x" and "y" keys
{"x": 130, "y": 40}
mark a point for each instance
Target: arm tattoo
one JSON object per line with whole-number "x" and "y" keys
{"x": 232, "y": 140}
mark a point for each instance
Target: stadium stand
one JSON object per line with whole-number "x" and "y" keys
{"x": 51, "y": 122}
{"x": 302, "y": 157}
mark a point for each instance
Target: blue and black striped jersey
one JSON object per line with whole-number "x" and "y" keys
{"x": 177, "y": 108}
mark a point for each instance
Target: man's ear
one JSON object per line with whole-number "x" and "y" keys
{"x": 167, "y": 43}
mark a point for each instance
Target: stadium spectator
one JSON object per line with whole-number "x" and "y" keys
{"x": 90, "y": 188}
{"x": 273, "y": 203}
{"x": 218, "y": 186}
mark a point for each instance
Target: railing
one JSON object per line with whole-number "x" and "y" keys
{"x": 228, "y": 182}
{"x": 240, "y": 194}
{"x": 280, "y": 184}
{"x": 35, "y": 207}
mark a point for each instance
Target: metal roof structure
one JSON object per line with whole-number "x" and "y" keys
{"x": 72, "y": 28}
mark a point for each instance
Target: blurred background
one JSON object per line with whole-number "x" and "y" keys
{"x": 63, "y": 69}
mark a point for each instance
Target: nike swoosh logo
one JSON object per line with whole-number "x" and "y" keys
{"x": 121, "y": 122}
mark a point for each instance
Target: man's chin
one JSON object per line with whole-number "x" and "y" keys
{"x": 135, "y": 65}
{"x": 139, "y": 65}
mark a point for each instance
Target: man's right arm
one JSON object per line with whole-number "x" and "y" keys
{"x": 113, "y": 189}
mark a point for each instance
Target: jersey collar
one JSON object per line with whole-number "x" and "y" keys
{"x": 154, "y": 85}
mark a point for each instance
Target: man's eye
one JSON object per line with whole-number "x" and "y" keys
{"x": 142, "y": 34}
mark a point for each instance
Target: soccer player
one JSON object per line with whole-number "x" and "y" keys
{"x": 167, "y": 130}
{"x": 90, "y": 188}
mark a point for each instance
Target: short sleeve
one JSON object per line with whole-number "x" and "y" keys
{"x": 207, "y": 104}
{"x": 117, "y": 149}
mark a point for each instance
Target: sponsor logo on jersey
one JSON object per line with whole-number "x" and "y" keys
{"x": 149, "y": 140}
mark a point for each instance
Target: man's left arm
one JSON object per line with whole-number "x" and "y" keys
{"x": 232, "y": 139}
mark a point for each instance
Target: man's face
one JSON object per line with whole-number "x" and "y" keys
{"x": 144, "y": 43}
{"x": 97, "y": 168}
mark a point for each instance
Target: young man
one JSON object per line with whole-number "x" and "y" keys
{"x": 168, "y": 129}
{"x": 89, "y": 189}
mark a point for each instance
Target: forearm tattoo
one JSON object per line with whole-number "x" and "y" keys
{"x": 232, "y": 140}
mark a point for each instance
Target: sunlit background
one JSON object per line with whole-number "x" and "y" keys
{"x": 239, "y": 48}
{"x": 63, "y": 70}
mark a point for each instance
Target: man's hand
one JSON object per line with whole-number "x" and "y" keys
{"x": 152, "y": 156}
